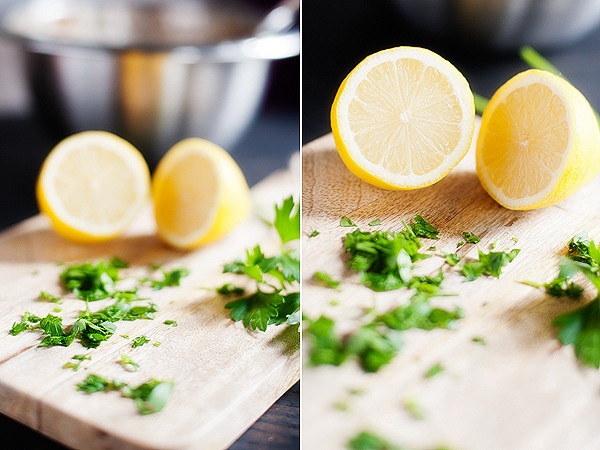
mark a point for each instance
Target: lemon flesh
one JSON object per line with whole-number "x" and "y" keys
{"x": 92, "y": 185}
{"x": 403, "y": 118}
{"x": 200, "y": 194}
{"x": 539, "y": 142}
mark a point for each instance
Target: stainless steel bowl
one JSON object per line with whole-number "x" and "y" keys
{"x": 506, "y": 24}
{"x": 151, "y": 71}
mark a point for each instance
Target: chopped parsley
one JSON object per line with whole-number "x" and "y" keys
{"x": 169, "y": 278}
{"x": 230, "y": 289}
{"x": 139, "y": 341}
{"x": 452, "y": 258}
{"x": 313, "y": 233}
{"x": 383, "y": 258}
{"x": 91, "y": 282}
{"x": 470, "y": 237}
{"x": 374, "y": 223}
{"x": 434, "y": 370}
{"x": 422, "y": 228}
{"x": 271, "y": 303}
{"x": 78, "y": 359}
{"x": 45, "y": 296}
{"x": 366, "y": 440}
{"x": 128, "y": 363}
{"x": 479, "y": 340}
{"x": 170, "y": 322}
{"x": 325, "y": 280}
{"x": 346, "y": 222}
{"x": 414, "y": 409}
{"x": 488, "y": 264}
{"x": 149, "y": 397}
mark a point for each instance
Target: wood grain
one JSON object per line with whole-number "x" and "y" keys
{"x": 521, "y": 390}
{"x": 225, "y": 376}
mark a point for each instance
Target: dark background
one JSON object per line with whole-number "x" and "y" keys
{"x": 337, "y": 35}
{"x": 268, "y": 144}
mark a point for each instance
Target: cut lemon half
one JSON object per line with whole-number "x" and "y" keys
{"x": 92, "y": 185}
{"x": 199, "y": 192}
{"x": 539, "y": 141}
{"x": 403, "y": 118}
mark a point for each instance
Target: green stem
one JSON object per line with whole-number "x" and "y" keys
{"x": 480, "y": 103}
{"x": 536, "y": 61}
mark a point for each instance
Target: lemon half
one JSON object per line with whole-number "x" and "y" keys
{"x": 539, "y": 141}
{"x": 200, "y": 194}
{"x": 403, "y": 118}
{"x": 92, "y": 185}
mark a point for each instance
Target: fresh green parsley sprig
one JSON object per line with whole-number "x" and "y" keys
{"x": 272, "y": 303}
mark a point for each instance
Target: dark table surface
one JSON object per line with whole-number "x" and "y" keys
{"x": 267, "y": 146}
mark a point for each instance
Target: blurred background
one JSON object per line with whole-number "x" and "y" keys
{"x": 136, "y": 70}
{"x": 480, "y": 37}
{"x": 153, "y": 72}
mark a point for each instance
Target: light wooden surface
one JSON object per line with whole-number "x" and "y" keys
{"x": 225, "y": 376}
{"x": 521, "y": 390}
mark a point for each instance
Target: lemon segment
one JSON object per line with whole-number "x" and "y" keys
{"x": 199, "y": 192}
{"x": 92, "y": 185}
{"x": 539, "y": 142}
{"x": 403, "y": 118}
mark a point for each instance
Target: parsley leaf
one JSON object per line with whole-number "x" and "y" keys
{"x": 488, "y": 264}
{"x": 139, "y": 341}
{"x": 92, "y": 282}
{"x": 229, "y": 289}
{"x": 327, "y": 347}
{"x": 346, "y": 222}
{"x": 313, "y": 234}
{"x": 170, "y": 278}
{"x": 256, "y": 310}
{"x": 452, "y": 258}
{"x": 325, "y": 280}
{"x": 369, "y": 441}
{"x": 287, "y": 220}
{"x": 374, "y": 346}
{"x": 149, "y": 397}
{"x": 374, "y": 223}
{"x": 422, "y": 228}
{"x": 434, "y": 370}
{"x": 383, "y": 258}
{"x": 470, "y": 237}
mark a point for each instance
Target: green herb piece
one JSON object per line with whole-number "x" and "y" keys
{"x": 434, "y": 370}
{"x": 78, "y": 360}
{"x": 432, "y": 249}
{"x": 480, "y": 103}
{"x": 128, "y": 363}
{"x": 559, "y": 287}
{"x": 345, "y": 222}
{"x": 414, "y": 409}
{"x": 366, "y": 440}
{"x": 374, "y": 223}
{"x": 230, "y": 289}
{"x": 325, "y": 280}
{"x": 95, "y": 383}
{"x": 91, "y": 282}
{"x": 422, "y": 228}
{"x": 45, "y": 296}
{"x": 313, "y": 233}
{"x": 170, "y": 322}
{"x": 149, "y": 397}
{"x": 157, "y": 344}
{"x": 374, "y": 346}
{"x": 470, "y": 237}
{"x": 460, "y": 244}
{"x": 270, "y": 304}
{"x": 170, "y": 278}
{"x": 452, "y": 258}
{"x": 139, "y": 341}
{"x": 326, "y": 347}
{"x": 581, "y": 328}
{"x": 488, "y": 264}
{"x": 479, "y": 340}
{"x": 383, "y": 258}
{"x": 420, "y": 314}
{"x": 287, "y": 220}
{"x": 515, "y": 239}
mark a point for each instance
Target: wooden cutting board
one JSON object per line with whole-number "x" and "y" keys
{"x": 521, "y": 390}
{"x": 225, "y": 376}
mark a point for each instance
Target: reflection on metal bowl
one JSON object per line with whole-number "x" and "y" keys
{"x": 153, "y": 72}
{"x": 506, "y": 24}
